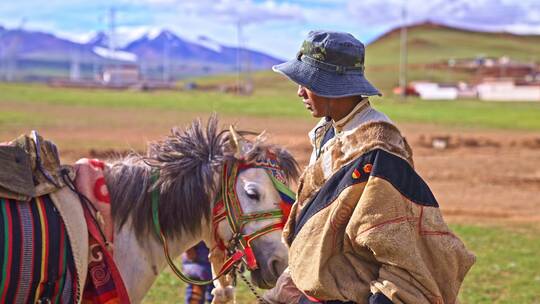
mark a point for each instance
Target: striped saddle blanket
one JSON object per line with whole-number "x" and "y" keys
{"x": 45, "y": 251}
{"x": 36, "y": 258}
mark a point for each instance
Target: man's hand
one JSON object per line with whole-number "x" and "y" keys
{"x": 285, "y": 292}
{"x": 223, "y": 295}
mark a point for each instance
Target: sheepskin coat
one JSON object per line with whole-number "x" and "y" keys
{"x": 365, "y": 222}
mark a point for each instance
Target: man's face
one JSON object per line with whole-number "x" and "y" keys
{"x": 317, "y": 105}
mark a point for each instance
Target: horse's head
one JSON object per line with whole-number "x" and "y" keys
{"x": 177, "y": 189}
{"x": 255, "y": 204}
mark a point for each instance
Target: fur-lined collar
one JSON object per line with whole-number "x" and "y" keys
{"x": 346, "y": 148}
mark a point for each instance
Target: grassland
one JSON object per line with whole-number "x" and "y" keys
{"x": 275, "y": 98}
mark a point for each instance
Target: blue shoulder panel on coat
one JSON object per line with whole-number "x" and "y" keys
{"x": 378, "y": 163}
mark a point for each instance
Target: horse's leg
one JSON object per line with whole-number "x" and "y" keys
{"x": 223, "y": 290}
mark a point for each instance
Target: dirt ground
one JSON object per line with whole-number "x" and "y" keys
{"x": 476, "y": 175}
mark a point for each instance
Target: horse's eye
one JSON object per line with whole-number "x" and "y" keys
{"x": 252, "y": 194}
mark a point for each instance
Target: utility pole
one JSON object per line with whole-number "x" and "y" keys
{"x": 74, "y": 68}
{"x": 403, "y": 53}
{"x": 249, "y": 86}
{"x": 238, "y": 55}
{"x": 112, "y": 29}
{"x": 112, "y": 45}
{"x": 165, "y": 57}
{"x": 11, "y": 53}
{"x": 2, "y": 55}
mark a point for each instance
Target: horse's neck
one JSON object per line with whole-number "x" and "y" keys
{"x": 139, "y": 264}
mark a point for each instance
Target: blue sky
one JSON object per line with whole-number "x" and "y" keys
{"x": 276, "y": 27}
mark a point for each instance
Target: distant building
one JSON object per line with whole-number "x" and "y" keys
{"x": 482, "y": 67}
{"x": 122, "y": 74}
{"x": 490, "y": 89}
{"x": 467, "y": 91}
{"x": 507, "y": 90}
{"x": 435, "y": 91}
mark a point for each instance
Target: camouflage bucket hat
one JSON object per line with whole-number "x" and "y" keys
{"x": 330, "y": 64}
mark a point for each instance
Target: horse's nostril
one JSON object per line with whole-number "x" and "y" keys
{"x": 276, "y": 267}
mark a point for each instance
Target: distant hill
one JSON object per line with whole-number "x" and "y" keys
{"x": 23, "y": 44}
{"x": 430, "y": 42}
{"x": 42, "y": 54}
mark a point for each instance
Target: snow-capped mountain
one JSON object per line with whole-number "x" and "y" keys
{"x": 151, "y": 51}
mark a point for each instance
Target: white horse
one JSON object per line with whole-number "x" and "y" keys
{"x": 200, "y": 169}
{"x": 191, "y": 164}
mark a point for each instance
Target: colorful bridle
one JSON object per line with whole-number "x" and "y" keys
{"x": 228, "y": 207}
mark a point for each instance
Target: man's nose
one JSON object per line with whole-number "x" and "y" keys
{"x": 301, "y": 91}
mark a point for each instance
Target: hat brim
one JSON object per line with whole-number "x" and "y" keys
{"x": 325, "y": 83}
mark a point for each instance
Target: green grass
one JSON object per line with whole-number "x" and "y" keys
{"x": 464, "y": 113}
{"x": 275, "y": 98}
{"x": 21, "y": 119}
{"x": 169, "y": 289}
{"x": 507, "y": 269}
{"x": 193, "y": 101}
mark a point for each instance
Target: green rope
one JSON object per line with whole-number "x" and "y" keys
{"x": 281, "y": 187}
{"x": 157, "y": 227}
{"x": 155, "y": 203}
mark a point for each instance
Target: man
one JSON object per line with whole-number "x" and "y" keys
{"x": 196, "y": 265}
{"x": 365, "y": 228}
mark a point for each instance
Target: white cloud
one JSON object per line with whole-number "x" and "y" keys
{"x": 274, "y": 26}
{"x": 249, "y": 12}
{"x": 245, "y": 11}
{"x": 494, "y": 15}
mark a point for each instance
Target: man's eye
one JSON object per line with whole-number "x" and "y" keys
{"x": 253, "y": 194}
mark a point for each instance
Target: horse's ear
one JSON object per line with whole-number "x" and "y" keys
{"x": 238, "y": 143}
{"x": 261, "y": 137}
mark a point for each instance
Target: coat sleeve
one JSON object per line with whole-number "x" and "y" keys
{"x": 403, "y": 276}
{"x": 386, "y": 224}
{"x": 285, "y": 291}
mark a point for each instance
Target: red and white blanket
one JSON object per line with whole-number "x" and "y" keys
{"x": 104, "y": 283}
